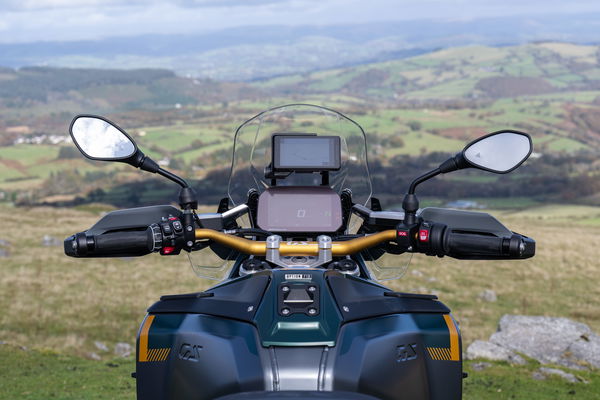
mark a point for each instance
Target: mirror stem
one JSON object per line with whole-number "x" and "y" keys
{"x": 187, "y": 196}
{"x": 423, "y": 178}
{"x": 410, "y": 204}
{"x": 173, "y": 177}
{"x": 147, "y": 164}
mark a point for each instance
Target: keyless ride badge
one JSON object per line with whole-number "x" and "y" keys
{"x": 298, "y": 277}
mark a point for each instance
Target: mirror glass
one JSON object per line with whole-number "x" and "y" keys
{"x": 99, "y": 139}
{"x": 500, "y": 152}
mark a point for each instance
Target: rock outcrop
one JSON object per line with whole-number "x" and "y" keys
{"x": 558, "y": 341}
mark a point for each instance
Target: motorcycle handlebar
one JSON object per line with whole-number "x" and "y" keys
{"x": 428, "y": 238}
{"x": 258, "y": 248}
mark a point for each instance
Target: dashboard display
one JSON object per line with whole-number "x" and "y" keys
{"x": 306, "y": 153}
{"x": 299, "y": 209}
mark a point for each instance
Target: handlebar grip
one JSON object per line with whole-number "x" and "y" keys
{"x": 112, "y": 244}
{"x": 465, "y": 245}
{"x": 473, "y": 245}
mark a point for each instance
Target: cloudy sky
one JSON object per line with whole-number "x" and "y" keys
{"x": 37, "y": 20}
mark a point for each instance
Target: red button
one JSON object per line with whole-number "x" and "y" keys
{"x": 172, "y": 218}
{"x": 402, "y": 233}
{"x": 424, "y": 235}
{"x": 167, "y": 250}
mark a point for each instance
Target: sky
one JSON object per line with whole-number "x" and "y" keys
{"x": 68, "y": 20}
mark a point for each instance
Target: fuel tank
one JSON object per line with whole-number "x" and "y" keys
{"x": 291, "y": 330}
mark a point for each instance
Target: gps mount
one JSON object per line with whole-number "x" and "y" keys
{"x": 303, "y": 153}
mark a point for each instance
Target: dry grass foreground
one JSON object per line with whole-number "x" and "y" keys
{"x": 50, "y": 301}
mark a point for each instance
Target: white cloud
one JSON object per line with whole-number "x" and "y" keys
{"x": 34, "y": 20}
{"x": 38, "y": 5}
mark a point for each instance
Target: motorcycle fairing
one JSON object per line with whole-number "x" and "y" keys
{"x": 386, "y": 353}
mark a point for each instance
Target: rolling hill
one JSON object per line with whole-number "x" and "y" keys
{"x": 471, "y": 72}
{"x": 549, "y": 89}
{"x": 409, "y": 108}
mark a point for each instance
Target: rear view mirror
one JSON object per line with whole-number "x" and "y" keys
{"x": 100, "y": 139}
{"x": 498, "y": 152}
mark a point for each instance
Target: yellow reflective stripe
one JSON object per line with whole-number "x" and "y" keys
{"x": 160, "y": 354}
{"x": 454, "y": 346}
{"x": 143, "y": 351}
{"x": 440, "y": 353}
{"x": 432, "y": 352}
{"x": 163, "y": 355}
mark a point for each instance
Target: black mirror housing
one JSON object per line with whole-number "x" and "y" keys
{"x": 499, "y": 152}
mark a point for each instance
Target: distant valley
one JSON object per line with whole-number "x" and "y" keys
{"x": 259, "y": 52}
{"x": 413, "y": 109}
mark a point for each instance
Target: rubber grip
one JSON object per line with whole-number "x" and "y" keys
{"x": 466, "y": 244}
{"x": 112, "y": 244}
{"x": 128, "y": 243}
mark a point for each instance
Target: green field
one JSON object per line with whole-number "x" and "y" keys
{"x": 42, "y": 374}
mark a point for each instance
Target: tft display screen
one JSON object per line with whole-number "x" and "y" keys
{"x": 299, "y": 209}
{"x": 306, "y": 153}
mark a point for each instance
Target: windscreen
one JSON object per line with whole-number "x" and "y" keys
{"x": 252, "y": 155}
{"x": 252, "y": 151}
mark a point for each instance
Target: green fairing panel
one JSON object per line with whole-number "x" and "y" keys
{"x": 298, "y": 329}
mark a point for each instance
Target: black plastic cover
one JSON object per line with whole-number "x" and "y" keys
{"x": 465, "y": 220}
{"x": 237, "y": 299}
{"x": 380, "y": 219}
{"x": 132, "y": 218}
{"x": 360, "y": 299}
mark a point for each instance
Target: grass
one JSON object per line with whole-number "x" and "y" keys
{"x": 27, "y": 154}
{"x": 560, "y": 214}
{"x": 34, "y": 374}
{"x": 504, "y": 381}
{"x": 422, "y": 142}
{"x": 54, "y": 302}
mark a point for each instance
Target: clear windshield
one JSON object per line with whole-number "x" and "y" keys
{"x": 252, "y": 150}
{"x": 252, "y": 154}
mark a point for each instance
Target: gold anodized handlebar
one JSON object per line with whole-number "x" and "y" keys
{"x": 293, "y": 248}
